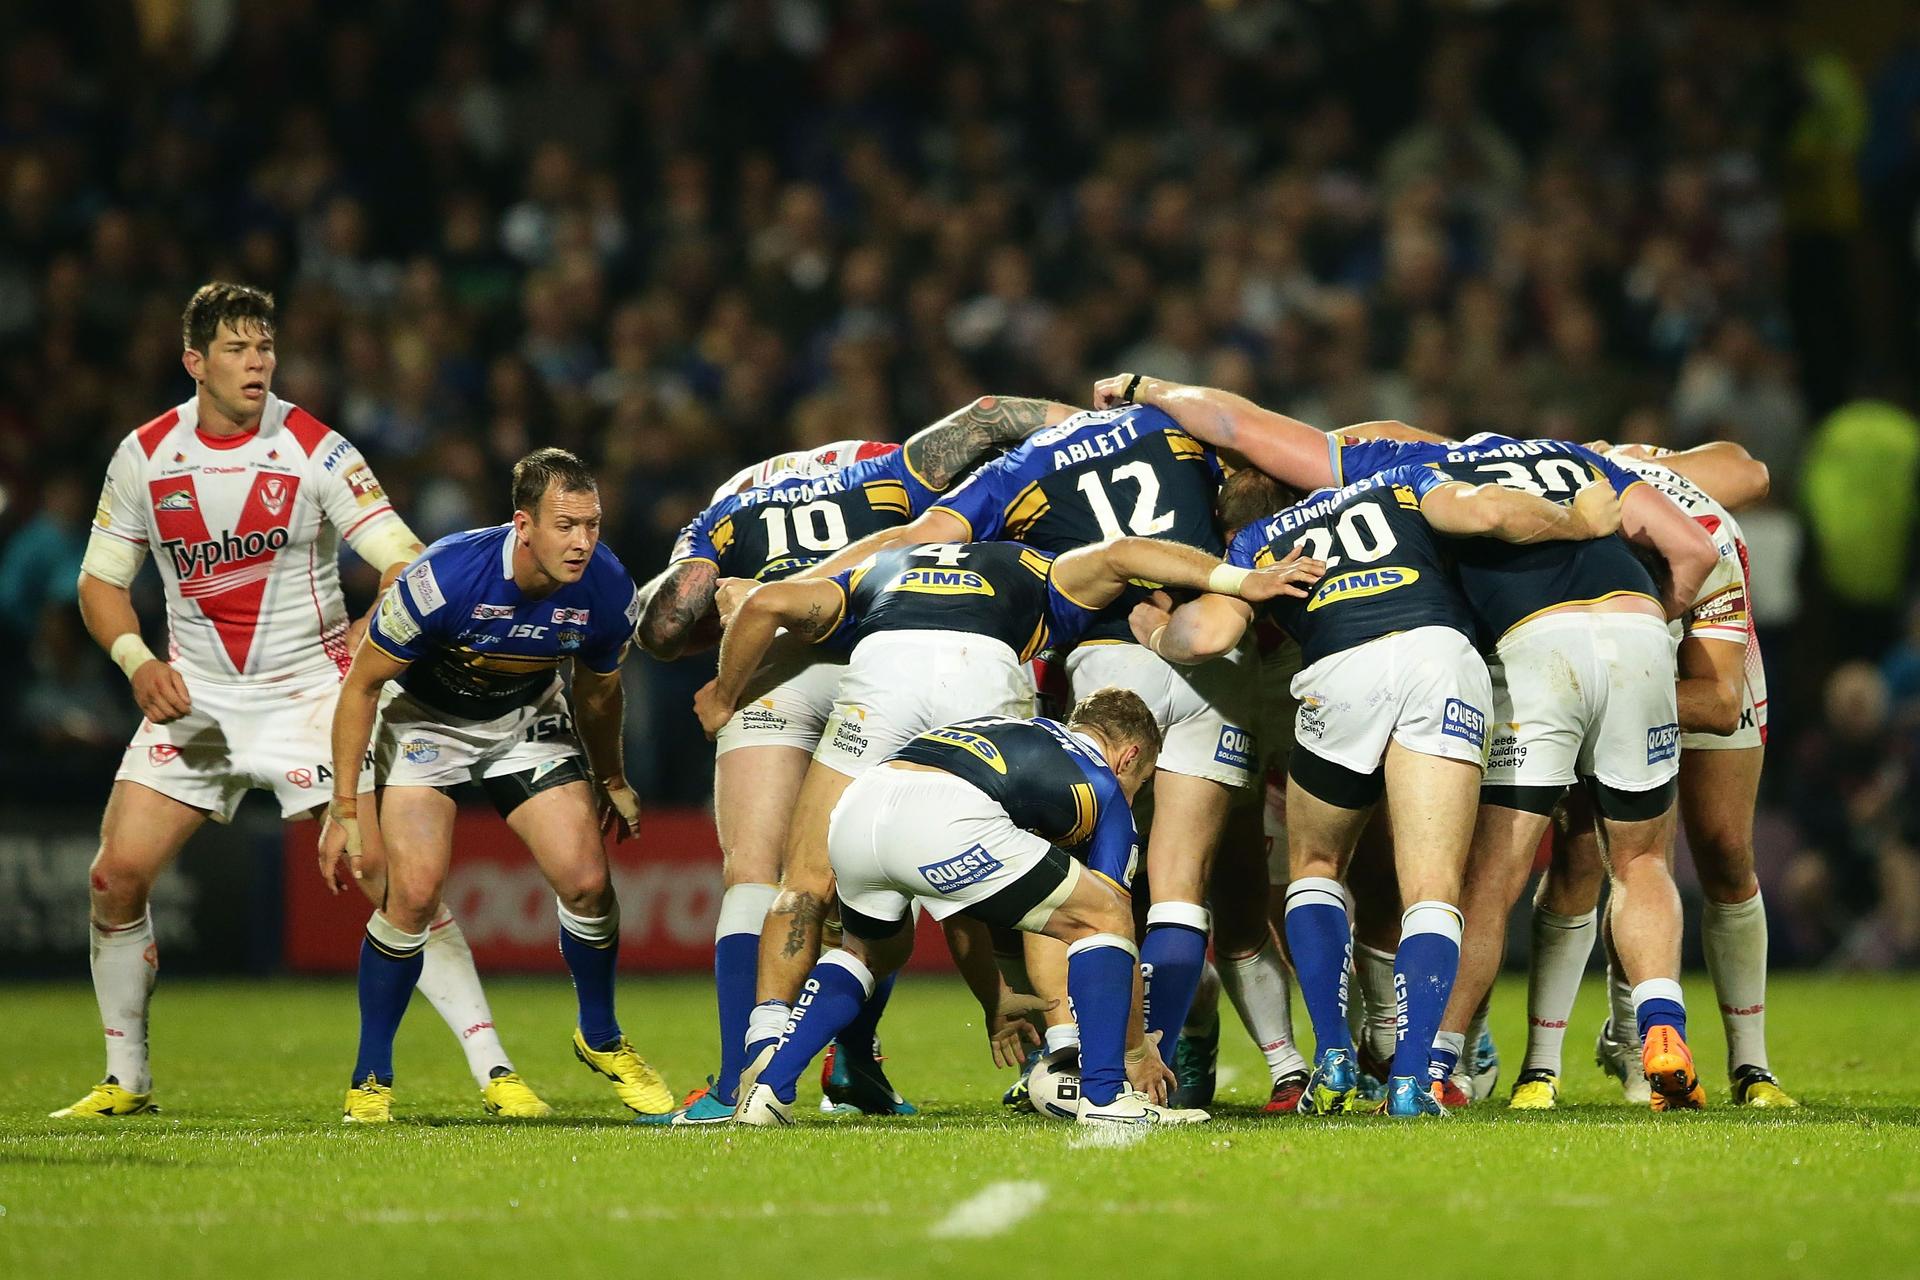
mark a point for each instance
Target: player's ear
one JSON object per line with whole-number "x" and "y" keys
{"x": 195, "y": 364}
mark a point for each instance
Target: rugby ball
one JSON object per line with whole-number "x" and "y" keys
{"x": 1053, "y": 1086}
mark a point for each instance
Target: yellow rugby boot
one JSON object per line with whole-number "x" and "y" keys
{"x": 508, "y": 1096}
{"x": 1756, "y": 1087}
{"x": 105, "y": 1101}
{"x": 638, "y": 1085}
{"x": 1535, "y": 1090}
{"x": 1667, "y": 1064}
{"x": 368, "y": 1102}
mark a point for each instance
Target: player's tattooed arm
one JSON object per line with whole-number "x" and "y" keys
{"x": 678, "y": 617}
{"x": 948, "y": 449}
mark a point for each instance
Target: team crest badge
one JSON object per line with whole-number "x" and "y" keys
{"x": 163, "y": 754}
{"x": 273, "y": 495}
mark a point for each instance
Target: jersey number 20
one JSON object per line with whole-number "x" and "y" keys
{"x": 1362, "y": 532}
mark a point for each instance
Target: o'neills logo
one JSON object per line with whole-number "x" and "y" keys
{"x": 193, "y": 559}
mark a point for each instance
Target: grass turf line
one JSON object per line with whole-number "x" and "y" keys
{"x": 249, "y": 1173}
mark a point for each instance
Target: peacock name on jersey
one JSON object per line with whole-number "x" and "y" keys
{"x": 1361, "y": 583}
{"x": 943, "y": 582}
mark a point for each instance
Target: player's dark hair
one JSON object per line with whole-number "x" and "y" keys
{"x": 1119, "y": 715}
{"x": 241, "y": 307}
{"x": 1251, "y": 494}
{"x": 545, "y": 469}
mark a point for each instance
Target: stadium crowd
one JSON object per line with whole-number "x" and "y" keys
{"x": 676, "y": 237}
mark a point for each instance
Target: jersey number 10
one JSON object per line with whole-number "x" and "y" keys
{"x": 817, "y": 526}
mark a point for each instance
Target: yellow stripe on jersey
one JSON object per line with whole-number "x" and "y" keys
{"x": 1038, "y": 565}
{"x": 1024, "y": 510}
{"x": 1184, "y": 446}
{"x": 950, "y": 512}
{"x": 1404, "y": 495}
{"x": 515, "y": 664}
{"x": 723, "y": 535}
{"x": 888, "y": 495}
{"x": 838, "y": 613}
{"x": 1035, "y": 642}
{"x": 1263, "y": 558}
{"x": 1570, "y": 604}
{"x": 1085, "y": 811}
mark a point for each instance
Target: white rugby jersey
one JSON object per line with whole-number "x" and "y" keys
{"x": 1720, "y": 611}
{"x": 246, "y": 533}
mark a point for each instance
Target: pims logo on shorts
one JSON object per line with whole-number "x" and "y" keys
{"x": 1466, "y": 722}
{"x": 1235, "y": 749}
{"x": 1663, "y": 742}
{"x": 961, "y": 870}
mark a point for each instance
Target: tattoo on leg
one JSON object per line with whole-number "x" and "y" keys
{"x": 804, "y": 927}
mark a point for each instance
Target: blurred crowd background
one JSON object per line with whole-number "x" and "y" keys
{"x": 680, "y": 236}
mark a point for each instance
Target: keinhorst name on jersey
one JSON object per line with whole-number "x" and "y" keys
{"x": 791, "y": 492}
{"x": 1313, "y": 508}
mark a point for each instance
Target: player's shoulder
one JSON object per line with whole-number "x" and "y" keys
{"x": 605, "y": 573}
{"x": 317, "y": 441}
{"x": 144, "y": 441}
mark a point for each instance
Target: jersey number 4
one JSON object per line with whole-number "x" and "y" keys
{"x": 817, "y": 526}
{"x": 1144, "y": 522}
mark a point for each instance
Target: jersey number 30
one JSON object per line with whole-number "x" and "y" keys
{"x": 817, "y": 526}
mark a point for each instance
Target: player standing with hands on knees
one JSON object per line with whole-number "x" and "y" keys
{"x": 243, "y": 499}
{"x": 473, "y": 634}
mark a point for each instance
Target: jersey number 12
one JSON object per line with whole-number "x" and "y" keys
{"x": 1144, "y": 522}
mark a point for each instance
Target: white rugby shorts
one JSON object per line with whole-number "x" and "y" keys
{"x": 1585, "y": 695}
{"x": 417, "y": 746}
{"x": 1426, "y": 689}
{"x": 277, "y": 737}
{"x": 900, "y": 836}
{"x": 787, "y": 702}
{"x": 1205, "y": 712}
{"x": 899, "y": 684}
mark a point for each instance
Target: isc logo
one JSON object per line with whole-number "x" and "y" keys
{"x": 526, "y": 631}
{"x": 1361, "y": 582}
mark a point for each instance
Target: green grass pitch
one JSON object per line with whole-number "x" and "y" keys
{"x": 249, "y": 1173}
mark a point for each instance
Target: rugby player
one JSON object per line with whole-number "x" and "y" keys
{"x": 1128, "y": 471}
{"x": 1016, "y": 822}
{"x": 941, "y": 633}
{"x": 1393, "y": 698}
{"x": 769, "y": 522}
{"x": 1589, "y": 608}
{"x": 244, "y": 499}
{"x": 473, "y": 635}
{"x": 1722, "y": 700}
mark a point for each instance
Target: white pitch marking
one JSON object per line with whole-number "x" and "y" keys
{"x": 1226, "y": 1076}
{"x": 1109, "y": 1135}
{"x": 996, "y": 1207}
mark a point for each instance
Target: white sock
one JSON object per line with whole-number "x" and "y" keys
{"x": 1062, "y": 1035}
{"x": 1735, "y": 936}
{"x": 767, "y": 1022}
{"x": 1204, "y": 1012}
{"x": 1381, "y": 1027}
{"x": 125, "y": 964}
{"x": 452, "y": 986}
{"x": 1561, "y": 946}
{"x": 1258, "y": 987}
{"x": 1621, "y": 1025}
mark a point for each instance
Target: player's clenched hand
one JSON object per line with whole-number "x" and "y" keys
{"x": 1146, "y": 1072}
{"x": 714, "y": 711}
{"x": 1292, "y": 575}
{"x": 161, "y": 692}
{"x": 1149, "y": 616}
{"x": 1109, "y": 392}
{"x": 1598, "y": 507}
{"x": 729, "y": 595}
{"x": 340, "y": 833}
{"x": 1010, "y": 1027}
{"x": 620, "y": 810}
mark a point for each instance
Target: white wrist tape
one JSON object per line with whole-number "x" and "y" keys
{"x": 1226, "y": 579}
{"x": 386, "y": 544}
{"x": 1153, "y": 641}
{"x": 130, "y": 653}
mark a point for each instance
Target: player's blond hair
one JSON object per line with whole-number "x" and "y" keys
{"x": 1120, "y": 716}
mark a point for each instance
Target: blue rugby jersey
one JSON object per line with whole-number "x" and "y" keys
{"x": 775, "y": 530}
{"x": 1050, "y": 781}
{"x": 997, "y": 589}
{"x": 478, "y": 646}
{"x": 1101, "y": 474}
{"x": 1386, "y": 570}
{"x": 1506, "y": 584}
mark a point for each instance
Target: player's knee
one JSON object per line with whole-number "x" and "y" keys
{"x": 119, "y": 883}
{"x": 589, "y": 894}
{"x": 1728, "y": 880}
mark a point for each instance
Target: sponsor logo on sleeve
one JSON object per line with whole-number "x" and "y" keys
{"x": 1663, "y": 742}
{"x": 366, "y": 490}
{"x": 561, "y": 617}
{"x": 486, "y": 611}
{"x": 1235, "y": 748}
{"x": 570, "y": 640}
{"x": 395, "y": 623}
{"x": 424, "y": 587}
{"x": 950, "y": 875}
{"x": 633, "y": 610}
{"x": 1466, "y": 722}
{"x": 334, "y": 455}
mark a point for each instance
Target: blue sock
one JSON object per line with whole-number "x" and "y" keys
{"x": 390, "y": 963}
{"x": 1657, "y": 1002}
{"x": 1322, "y": 945}
{"x": 736, "y": 965}
{"x": 1100, "y": 988}
{"x": 830, "y": 998}
{"x": 858, "y": 1038}
{"x": 591, "y": 947}
{"x": 1173, "y": 955}
{"x": 1444, "y": 1056}
{"x": 1423, "y": 972}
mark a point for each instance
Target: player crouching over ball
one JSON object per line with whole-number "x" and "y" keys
{"x": 1022, "y": 823}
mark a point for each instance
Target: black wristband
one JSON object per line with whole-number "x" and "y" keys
{"x": 1133, "y": 384}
